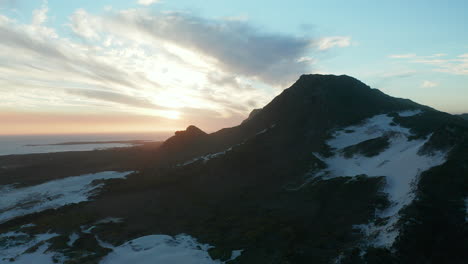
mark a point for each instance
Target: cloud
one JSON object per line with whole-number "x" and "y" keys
{"x": 163, "y": 64}
{"x": 456, "y": 66}
{"x": 412, "y": 55}
{"x": 440, "y": 63}
{"x": 400, "y": 74}
{"x": 331, "y": 42}
{"x": 40, "y": 15}
{"x": 429, "y": 84}
{"x": 119, "y": 98}
{"x": 148, "y": 2}
{"x": 84, "y": 25}
{"x": 437, "y": 55}
{"x": 402, "y": 56}
{"x": 235, "y": 46}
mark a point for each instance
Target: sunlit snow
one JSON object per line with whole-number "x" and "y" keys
{"x": 16, "y": 202}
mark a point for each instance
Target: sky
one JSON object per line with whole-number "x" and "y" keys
{"x": 157, "y": 65}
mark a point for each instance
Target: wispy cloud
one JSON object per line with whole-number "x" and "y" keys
{"x": 440, "y": 62}
{"x": 148, "y": 2}
{"x": 84, "y": 25}
{"x": 402, "y": 56}
{"x": 327, "y": 43}
{"x": 429, "y": 84}
{"x": 399, "y": 74}
{"x": 234, "y": 46}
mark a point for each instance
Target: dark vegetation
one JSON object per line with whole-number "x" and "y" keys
{"x": 368, "y": 148}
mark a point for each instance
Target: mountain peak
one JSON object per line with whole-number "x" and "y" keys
{"x": 252, "y": 114}
{"x": 183, "y": 138}
{"x": 334, "y": 100}
{"x": 330, "y": 83}
{"x": 191, "y": 131}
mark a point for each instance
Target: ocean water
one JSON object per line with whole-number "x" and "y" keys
{"x": 22, "y": 144}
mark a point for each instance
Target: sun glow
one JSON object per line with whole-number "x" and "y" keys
{"x": 170, "y": 114}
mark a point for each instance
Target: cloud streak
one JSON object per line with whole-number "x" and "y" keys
{"x": 439, "y": 62}
{"x": 327, "y": 43}
{"x": 115, "y": 97}
{"x": 429, "y": 84}
{"x": 148, "y": 2}
{"x": 235, "y": 46}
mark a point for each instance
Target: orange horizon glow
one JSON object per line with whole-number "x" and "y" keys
{"x": 33, "y": 123}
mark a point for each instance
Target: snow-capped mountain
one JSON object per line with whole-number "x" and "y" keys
{"x": 331, "y": 171}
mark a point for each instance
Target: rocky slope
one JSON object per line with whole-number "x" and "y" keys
{"x": 331, "y": 171}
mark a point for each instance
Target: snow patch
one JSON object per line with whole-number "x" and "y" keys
{"x": 373, "y": 127}
{"x": 205, "y": 158}
{"x": 162, "y": 249}
{"x": 401, "y": 163}
{"x": 208, "y": 157}
{"x": 22, "y": 248}
{"x": 409, "y": 113}
{"x": 17, "y": 202}
{"x": 13, "y": 247}
{"x": 265, "y": 130}
{"x": 87, "y": 230}
{"x": 235, "y": 254}
{"x": 72, "y": 238}
{"x": 27, "y": 225}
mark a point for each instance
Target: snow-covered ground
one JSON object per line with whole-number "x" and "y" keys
{"x": 162, "y": 249}
{"x": 16, "y": 202}
{"x": 21, "y": 248}
{"x": 15, "y": 245}
{"x": 401, "y": 163}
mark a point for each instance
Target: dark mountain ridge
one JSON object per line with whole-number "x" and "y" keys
{"x": 313, "y": 106}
